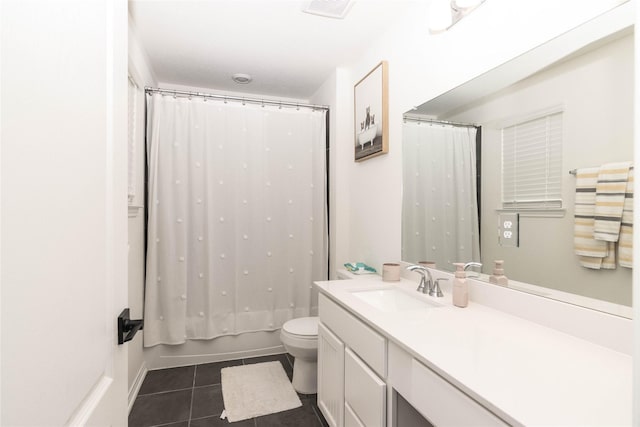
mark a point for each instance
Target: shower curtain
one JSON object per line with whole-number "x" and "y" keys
{"x": 439, "y": 208}
{"x": 236, "y": 220}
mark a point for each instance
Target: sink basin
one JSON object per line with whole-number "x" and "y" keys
{"x": 391, "y": 300}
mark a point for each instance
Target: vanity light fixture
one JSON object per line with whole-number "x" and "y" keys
{"x": 444, "y": 14}
{"x": 337, "y": 9}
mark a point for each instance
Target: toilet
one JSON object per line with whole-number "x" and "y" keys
{"x": 300, "y": 339}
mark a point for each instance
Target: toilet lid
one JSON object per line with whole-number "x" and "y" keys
{"x": 302, "y": 326}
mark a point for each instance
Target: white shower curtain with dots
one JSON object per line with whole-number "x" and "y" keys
{"x": 439, "y": 208}
{"x": 237, "y": 217}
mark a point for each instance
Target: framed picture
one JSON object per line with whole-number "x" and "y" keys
{"x": 371, "y": 114}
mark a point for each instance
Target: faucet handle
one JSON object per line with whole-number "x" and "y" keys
{"x": 436, "y": 291}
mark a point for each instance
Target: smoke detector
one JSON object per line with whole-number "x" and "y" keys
{"x": 329, "y": 8}
{"x": 241, "y": 79}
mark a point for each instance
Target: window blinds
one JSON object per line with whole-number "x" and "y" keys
{"x": 532, "y": 164}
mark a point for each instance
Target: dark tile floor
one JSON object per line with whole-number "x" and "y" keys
{"x": 191, "y": 396}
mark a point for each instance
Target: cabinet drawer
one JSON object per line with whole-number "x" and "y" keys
{"x": 443, "y": 404}
{"x": 367, "y": 343}
{"x": 364, "y": 392}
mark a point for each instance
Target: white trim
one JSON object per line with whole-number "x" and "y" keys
{"x": 137, "y": 384}
{"x": 88, "y": 406}
{"x": 536, "y": 213}
{"x": 162, "y": 361}
{"x": 196, "y": 359}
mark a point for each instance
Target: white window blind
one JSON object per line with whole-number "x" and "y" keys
{"x": 532, "y": 164}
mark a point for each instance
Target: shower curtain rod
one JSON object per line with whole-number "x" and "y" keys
{"x": 185, "y": 93}
{"x": 439, "y": 122}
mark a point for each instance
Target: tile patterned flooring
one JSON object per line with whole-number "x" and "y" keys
{"x": 191, "y": 396}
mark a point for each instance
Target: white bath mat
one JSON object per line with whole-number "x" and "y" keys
{"x": 253, "y": 390}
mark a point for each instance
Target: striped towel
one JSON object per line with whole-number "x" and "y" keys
{"x": 591, "y": 251}
{"x": 625, "y": 242}
{"x": 610, "y": 194}
{"x": 608, "y": 262}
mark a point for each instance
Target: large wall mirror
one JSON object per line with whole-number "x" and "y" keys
{"x": 578, "y": 91}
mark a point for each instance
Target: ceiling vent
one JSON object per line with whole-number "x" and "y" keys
{"x": 242, "y": 79}
{"x": 329, "y": 8}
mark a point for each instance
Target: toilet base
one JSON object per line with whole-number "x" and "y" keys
{"x": 305, "y": 376}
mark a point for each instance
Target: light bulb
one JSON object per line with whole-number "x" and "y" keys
{"x": 467, "y": 4}
{"x": 440, "y": 17}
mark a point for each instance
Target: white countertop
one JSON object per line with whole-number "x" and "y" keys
{"x": 525, "y": 373}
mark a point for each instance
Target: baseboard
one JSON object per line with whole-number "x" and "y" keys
{"x": 174, "y": 361}
{"x": 137, "y": 384}
{"x": 193, "y": 352}
{"x": 91, "y": 405}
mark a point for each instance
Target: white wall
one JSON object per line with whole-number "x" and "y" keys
{"x": 143, "y": 75}
{"x": 593, "y": 90}
{"x": 422, "y": 66}
{"x": 334, "y": 92}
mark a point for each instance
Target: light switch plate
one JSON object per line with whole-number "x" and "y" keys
{"x": 508, "y": 229}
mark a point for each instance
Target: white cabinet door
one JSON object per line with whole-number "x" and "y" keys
{"x": 364, "y": 392}
{"x": 64, "y": 212}
{"x": 330, "y": 377}
{"x": 350, "y": 418}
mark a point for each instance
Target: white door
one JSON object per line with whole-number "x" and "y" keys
{"x": 63, "y": 217}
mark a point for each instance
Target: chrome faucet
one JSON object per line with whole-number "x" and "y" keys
{"x": 472, "y": 264}
{"x": 436, "y": 291}
{"x": 426, "y": 285}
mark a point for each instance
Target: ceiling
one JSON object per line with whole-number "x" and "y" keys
{"x": 287, "y": 52}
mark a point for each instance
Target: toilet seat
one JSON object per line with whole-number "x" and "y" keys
{"x": 302, "y": 327}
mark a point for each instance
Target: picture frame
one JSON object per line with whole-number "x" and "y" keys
{"x": 371, "y": 114}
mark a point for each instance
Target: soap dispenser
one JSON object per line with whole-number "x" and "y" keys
{"x": 498, "y": 277}
{"x": 460, "y": 288}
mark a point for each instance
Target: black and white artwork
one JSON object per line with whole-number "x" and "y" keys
{"x": 371, "y": 111}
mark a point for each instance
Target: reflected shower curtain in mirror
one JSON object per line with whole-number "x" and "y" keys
{"x": 236, "y": 220}
{"x": 439, "y": 203}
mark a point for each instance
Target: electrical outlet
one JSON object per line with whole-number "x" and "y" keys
{"x": 508, "y": 229}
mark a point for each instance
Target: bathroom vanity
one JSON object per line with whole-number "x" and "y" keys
{"x": 390, "y": 356}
